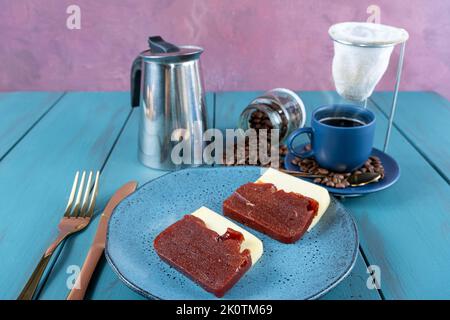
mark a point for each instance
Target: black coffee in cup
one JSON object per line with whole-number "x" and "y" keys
{"x": 342, "y": 122}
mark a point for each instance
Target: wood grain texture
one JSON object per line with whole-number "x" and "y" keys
{"x": 405, "y": 230}
{"x": 122, "y": 166}
{"x": 229, "y": 105}
{"x": 19, "y": 112}
{"x": 37, "y": 175}
{"x": 424, "y": 119}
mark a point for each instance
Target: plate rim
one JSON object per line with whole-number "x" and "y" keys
{"x": 150, "y": 295}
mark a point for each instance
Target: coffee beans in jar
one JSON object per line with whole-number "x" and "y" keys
{"x": 277, "y": 109}
{"x": 280, "y": 109}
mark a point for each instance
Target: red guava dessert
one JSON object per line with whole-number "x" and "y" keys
{"x": 283, "y": 216}
{"x": 213, "y": 261}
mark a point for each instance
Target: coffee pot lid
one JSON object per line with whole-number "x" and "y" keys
{"x": 164, "y": 52}
{"x": 365, "y": 34}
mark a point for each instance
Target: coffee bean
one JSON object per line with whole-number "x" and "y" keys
{"x": 306, "y": 161}
{"x": 340, "y": 185}
{"x": 323, "y": 171}
{"x": 317, "y": 180}
{"x": 284, "y": 151}
{"x": 267, "y": 123}
{"x": 258, "y": 114}
{"x": 330, "y": 184}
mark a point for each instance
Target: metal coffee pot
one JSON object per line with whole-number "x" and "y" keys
{"x": 166, "y": 83}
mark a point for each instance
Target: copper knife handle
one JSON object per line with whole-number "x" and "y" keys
{"x": 83, "y": 279}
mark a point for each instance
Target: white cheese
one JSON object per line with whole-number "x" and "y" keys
{"x": 219, "y": 224}
{"x": 289, "y": 183}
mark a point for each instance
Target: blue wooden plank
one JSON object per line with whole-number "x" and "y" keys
{"x": 122, "y": 166}
{"x": 424, "y": 118}
{"x": 19, "y": 112}
{"x": 229, "y": 105}
{"x": 405, "y": 229}
{"x": 37, "y": 174}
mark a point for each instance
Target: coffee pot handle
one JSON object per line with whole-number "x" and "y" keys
{"x": 157, "y": 45}
{"x": 135, "y": 84}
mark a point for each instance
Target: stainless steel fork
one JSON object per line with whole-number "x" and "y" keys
{"x": 76, "y": 217}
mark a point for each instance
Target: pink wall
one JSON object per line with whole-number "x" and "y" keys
{"x": 249, "y": 44}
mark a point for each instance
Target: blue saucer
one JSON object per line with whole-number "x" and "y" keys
{"x": 391, "y": 175}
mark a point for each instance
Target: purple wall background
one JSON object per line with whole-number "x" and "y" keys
{"x": 249, "y": 44}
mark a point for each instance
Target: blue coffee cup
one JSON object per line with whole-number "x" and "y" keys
{"x": 341, "y": 137}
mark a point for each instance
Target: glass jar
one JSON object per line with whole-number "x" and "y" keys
{"x": 279, "y": 108}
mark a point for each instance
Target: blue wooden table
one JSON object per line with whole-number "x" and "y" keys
{"x": 46, "y": 137}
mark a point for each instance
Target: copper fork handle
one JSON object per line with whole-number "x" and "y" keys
{"x": 32, "y": 284}
{"x": 83, "y": 279}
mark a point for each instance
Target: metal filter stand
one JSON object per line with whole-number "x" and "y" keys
{"x": 394, "y": 99}
{"x": 397, "y": 82}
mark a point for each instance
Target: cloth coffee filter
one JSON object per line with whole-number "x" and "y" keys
{"x": 361, "y": 56}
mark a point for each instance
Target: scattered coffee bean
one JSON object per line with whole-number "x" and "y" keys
{"x": 338, "y": 180}
{"x": 283, "y": 150}
{"x": 247, "y": 160}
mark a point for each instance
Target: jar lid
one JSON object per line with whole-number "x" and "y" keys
{"x": 165, "y": 52}
{"x": 365, "y": 34}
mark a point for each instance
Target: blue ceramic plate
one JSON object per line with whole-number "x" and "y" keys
{"x": 304, "y": 270}
{"x": 391, "y": 175}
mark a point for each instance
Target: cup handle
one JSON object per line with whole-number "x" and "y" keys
{"x": 294, "y": 135}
